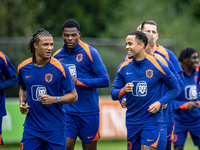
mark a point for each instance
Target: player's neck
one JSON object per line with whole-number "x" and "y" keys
{"x": 140, "y": 57}
{"x": 39, "y": 62}
{"x": 187, "y": 70}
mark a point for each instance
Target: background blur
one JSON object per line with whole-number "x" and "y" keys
{"x": 104, "y": 25}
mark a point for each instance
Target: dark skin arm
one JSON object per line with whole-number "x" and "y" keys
{"x": 23, "y": 99}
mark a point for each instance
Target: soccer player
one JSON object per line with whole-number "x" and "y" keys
{"x": 152, "y": 27}
{"x": 42, "y": 80}
{"x": 88, "y": 73}
{"x": 8, "y": 71}
{"x": 187, "y": 115}
{"x": 141, "y": 79}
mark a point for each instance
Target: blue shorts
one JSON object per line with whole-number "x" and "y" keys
{"x": 1, "y": 139}
{"x": 180, "y": 135}
{"x": 170, "y": 127}
{"x": 44, "y": 140}
{"x": 86, "y": 127}
{"x": 162, "y": 143}
{"x": 143, "y": 134}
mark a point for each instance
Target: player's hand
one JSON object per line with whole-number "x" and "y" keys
{"x": 164, "y": 106}
{"x": 192, "y": 105}
{"x": 128, "y": 87}
{"x": 123, "y": 103}
{"x": 74, "y": 79}
{"x": 154, "y": 108}
{"x": 47, "y": 99}
{"x": 23, "y": 108}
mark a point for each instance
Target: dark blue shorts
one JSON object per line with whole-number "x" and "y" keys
{"x": 162, "y": 143}
{"x": 86, "y": 127}
{"x": 44, "y": 140}
{"x": 180, "y": 135}
{"x": 143, "y": 134}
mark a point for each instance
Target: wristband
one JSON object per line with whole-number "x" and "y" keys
{"x": 58, "y": 99}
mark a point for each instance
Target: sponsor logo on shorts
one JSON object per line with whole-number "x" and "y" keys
{"x": 28, "y": 76}
{"x": 89, "y": 137}
{"x": 149, "y": 140}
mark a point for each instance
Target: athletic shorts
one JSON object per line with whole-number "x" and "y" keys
{"x": 43, "y": 140}
{"x": 1, "y": 139}
{"x": 143, "y": 134}
{"x": 170, "y": 127}
{"x": 180, "y": 135}
{"x": 86, "y": 127}
{"x": 162, "y": 143}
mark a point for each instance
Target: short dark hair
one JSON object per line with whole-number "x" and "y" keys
{"x": 149, "y": 22}
{"x": 186, "y": 53}
{"x": 141, "y": 36}
{"x": 70, "y": 23}
{"x": 35, "y": 39}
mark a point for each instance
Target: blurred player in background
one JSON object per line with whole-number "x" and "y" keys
{"x": 7, "y": 71}
{"x": 88, "y": 73}
{"x": 42, "y": 80}
{"x": 187, "y": 115}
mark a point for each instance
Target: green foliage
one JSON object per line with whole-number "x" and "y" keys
{"x": 177, "y": 20}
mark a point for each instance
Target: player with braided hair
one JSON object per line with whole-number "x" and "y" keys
{"x": 42, "y": 80}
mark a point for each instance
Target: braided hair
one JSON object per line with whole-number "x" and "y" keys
{"x": 35, "y": 39}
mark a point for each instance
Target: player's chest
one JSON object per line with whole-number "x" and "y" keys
{"x": 40, "y": 76}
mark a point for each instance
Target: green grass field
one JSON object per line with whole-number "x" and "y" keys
{"x": 103, "y": 145}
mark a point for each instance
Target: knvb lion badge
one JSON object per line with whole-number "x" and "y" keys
{"x": 140, "y": 88}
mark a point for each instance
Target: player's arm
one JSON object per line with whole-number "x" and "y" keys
{"x": 9, "y": 72}
{"x": 173, "y": 87}
{"x": 70, "y": 97}
{"x": 8, "y": 83}
{"x": 101, "y": 78}
{"x": 23, "y": 99}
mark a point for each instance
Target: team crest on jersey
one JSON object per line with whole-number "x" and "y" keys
{"x": 72, "y": 69}
{"x": 37, "y": 90}
{"x": 149, "y": 73}
{"x": 140, "y": 88}
{"x": 191, "y": 92}
{"x": 79, "y": 57}
{"x": 48, "y": 77}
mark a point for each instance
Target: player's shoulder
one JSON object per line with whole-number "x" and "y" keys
{"x": 156, "y": 64}
{"x": 57, "y": 52}
{"x": 24, "y": 63}
{"x": 124, "y": 64}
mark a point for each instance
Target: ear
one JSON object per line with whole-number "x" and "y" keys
{"x": 79, "y": 34}
{"x": 141, "y": 45}
{"x": 35, "y": 45}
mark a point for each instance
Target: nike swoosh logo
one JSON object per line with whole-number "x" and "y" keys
{"x": 129, "y": 73}
{"x": 60, "y": 59}
{"x": 149, "y": 140}
{"x": 28, "y": 76}
{"x": 89, "y": 137}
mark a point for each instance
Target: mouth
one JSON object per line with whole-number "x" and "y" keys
{"x": 70, "y": 44}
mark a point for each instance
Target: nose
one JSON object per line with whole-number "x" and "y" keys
{"x": 127, "y": 46}
{"x": 50, "y": 46}
{"x": 70, "y": 38}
